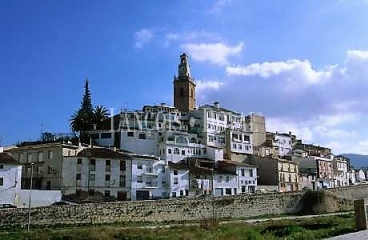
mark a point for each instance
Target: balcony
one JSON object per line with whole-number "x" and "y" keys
{"x": 151, "y": 185}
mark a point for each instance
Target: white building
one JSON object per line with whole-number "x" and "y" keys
{"x": 341, "y": 171}
{"x": 178, "y": 184}
{"x": 282, "y": 143}
{"x": 10, "y": 179}
{"x": 246, "y": 180}
{"x": 149, "y": 177}
{"x": 351, "y": 177}
{"x": 201, "y": 176}
{"x": 97, "y": 174}
{"x": 360, "y": 175}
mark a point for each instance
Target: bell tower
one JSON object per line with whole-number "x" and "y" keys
{"x": 184, "y": 87}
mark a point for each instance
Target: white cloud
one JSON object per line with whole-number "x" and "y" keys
{"x": 333, "y": 133}
{"x": 217, "y": 53}
{"x": 142, "y": 37}
{"x": 208, "y": 84}
{"x": 293, "y": 70}
{"x": 218, "y": 6}
{"x": 337, "y": 119}
{"x": 353, "y": 55}
{"x": 285, "y": 125}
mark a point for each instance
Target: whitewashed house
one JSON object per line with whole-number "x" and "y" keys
{"x": 246, "y": 181}
{"x": 149, "y": 177}
{"x": 97, "y": 174}
{"x": 10, "y": 179}
{"x": 178, "y": 184}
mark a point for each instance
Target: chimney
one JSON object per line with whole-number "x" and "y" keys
{"x": 216, "y": 104}
{"x": 1, "y": 149}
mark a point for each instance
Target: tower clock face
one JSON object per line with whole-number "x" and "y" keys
{"x": 182, "y": 70}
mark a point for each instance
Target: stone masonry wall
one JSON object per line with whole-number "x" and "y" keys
{"x": 170, "y": 210}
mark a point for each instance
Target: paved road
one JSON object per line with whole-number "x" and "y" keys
{"x": 352, "y": 236}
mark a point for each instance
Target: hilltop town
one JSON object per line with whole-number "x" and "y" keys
{"x": 162, "y": 151}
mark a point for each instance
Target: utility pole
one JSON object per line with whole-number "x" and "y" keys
{"x": 30, "y": 199}
{"x": 213, "y": 196}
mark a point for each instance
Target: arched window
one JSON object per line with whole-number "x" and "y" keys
{"x": 176, "y": 150}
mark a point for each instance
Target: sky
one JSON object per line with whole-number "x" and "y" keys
{"x": 301, "y": 64}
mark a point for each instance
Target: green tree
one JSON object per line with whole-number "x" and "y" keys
{"x": 87, "y": 117}
{"x": 100, "y": 117}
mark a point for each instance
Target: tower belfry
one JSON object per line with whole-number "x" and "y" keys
{"x": 184, "y": 86}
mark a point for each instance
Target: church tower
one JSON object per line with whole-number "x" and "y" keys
{"x": 184, "y": 87}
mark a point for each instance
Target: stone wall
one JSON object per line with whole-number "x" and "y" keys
{"x": 351, "y": 193}
{"x": 170, "y": 210}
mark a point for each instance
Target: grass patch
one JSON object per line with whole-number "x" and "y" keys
{"x": 313, "y": 228}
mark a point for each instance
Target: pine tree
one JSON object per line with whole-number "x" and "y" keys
{"x": 86, "y": 105}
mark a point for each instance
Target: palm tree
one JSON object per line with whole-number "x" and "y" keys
{"x": 100, "y": 117}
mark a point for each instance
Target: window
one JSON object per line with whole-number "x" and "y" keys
{"x": 29, "y": 157}
{"x": 79, "y": 161}
{"x": 169, "y": 150}
{"x": 176, "y": 181}
{"x": 107, "y": 177}
{"x": 122, "y": 166}
{"x": 220, "y": 179}
{"x": 79, "y": 176}
{"x": 107, "y": 193}
{"x": 130, "y": 134}
{"x": 182, "y": 152}
{"x": 39, "y": 156}
{"x": 181, "y": 193}
{"x": 139, "y": 179}
{"x": 142, "y": 136}
{"x": 139, "y": 166}
{"x": 228, "y": 191}
{"x": 163, "y": 169}
{"x": 1, "y": 166}
{"x": 1, "y": 181}
{"x": 242, "y": 172}
{"x": 50, "y": 154}
{"x": 122, "y": 181}
{"x": 39, "y": 169}
{"x": 181, "y": 92}
{"x": 175, "y": 172}
{"x": 250, "y": 173}
{"x": 227, "y": 178}
{"x": 92, "y": 166}
{"x": 173, "y": 194}
{"x": 108, "y": 163}
{"x": 176, "y": 150}
{"x": 92, "y": 177}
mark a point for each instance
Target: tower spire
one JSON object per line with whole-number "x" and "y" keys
{"x": 184, "y": 86}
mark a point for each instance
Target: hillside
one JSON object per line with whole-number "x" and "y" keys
{"x": 357, "y": 160}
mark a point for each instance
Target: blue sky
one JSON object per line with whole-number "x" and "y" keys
{"x": 302, "y": 64}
